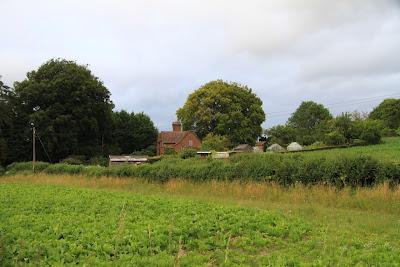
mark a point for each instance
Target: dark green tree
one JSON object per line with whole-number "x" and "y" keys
{"x": 223, "y": 108}
{"x": 132, "y": 132}
{"x": 282, "y": 134}
{"x": 70, "y": 107}
{"x": 308, "y": 120}
{"x": 388, "y": 112}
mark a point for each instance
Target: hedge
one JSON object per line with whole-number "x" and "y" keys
{"x": 289, "y": 169}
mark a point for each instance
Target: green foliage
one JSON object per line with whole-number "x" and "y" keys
{"x": 371, "y": 132}
{"x": 215, "y": 142}
{"x": 74, "y": 160}
{"x": 388, "y": 112}
{"x": 387, "y": 132}
{"x": 148, "y": 151}
{"x": 132, "y": 132}
{"x": 2, "y": 170}
{"x": 335, "y": 138}
{"x": 308, "y": 118}
{"x": 286, "y": 169}
{"x": 226, "y": 109}
{"x": 98, "y": 161}
{"x": 71, "y": 108}
{"x": 282, "y": 134}
{"x": 398, "y": 131}
{"x": 26, "y": 167}
{"x": 188, "y": 153}
{"x": 65, "y": 226}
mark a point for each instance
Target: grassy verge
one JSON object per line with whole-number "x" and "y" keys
{"x": 340, "y": 228}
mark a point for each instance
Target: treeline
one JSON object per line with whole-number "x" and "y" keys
{"x": 313, "y": 125}
{"x": 73, "y": 114}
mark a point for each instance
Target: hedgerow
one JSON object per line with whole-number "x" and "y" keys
{"x": 289, "y": 169}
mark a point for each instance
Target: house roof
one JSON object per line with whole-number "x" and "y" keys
{"x": 122, "y": 158}
{"x": 243, "y": 147}
{"x": 173, "y": 137}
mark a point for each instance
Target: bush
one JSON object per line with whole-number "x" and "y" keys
{"x": 74, "y": 160}
{"x": 2, "y": 170}
{"x": 285, "y": 169}
{"x": 26, "y": 166}
{"x": 398, "y": 131}
{"x": 188, "y": 153}
{"x": 387, "y": 132}
{"x": 371, "y": 132}
{"x": 215, "y": 142}
{"x": 335, "y": 138}
{"x": 98, "y": 161}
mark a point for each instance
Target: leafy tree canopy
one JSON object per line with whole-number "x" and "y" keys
{"x": 309, "y": 115}
{"x": 70, "y": 107}
{"x": 133, "y": 132}
{"x": 223, "y": 108}
{"x": 388, "y": 112}
{"x": 215, "y": 142}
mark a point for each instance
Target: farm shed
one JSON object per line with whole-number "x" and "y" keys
{"x": 294, "y": 147}
{"x": 220, "y": 155}
{"x": 276, "y": 148}
{"x": 243, "y": 148}
{"x": 118, "y": 160}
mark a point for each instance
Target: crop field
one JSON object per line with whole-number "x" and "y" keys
{"x": 62, "y": 219}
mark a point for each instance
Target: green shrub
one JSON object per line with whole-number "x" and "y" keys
{"x": 215, "y": 142}
{"x": 74, "y": 160}
{"x": 98, "y": 161}
{"x": 335, "y": 138}
{"x": 285, "y": 169}
{"x": 371, "y": 132}
{"x": 387, "y": 132}
{"x": 61, "y": 168}
{"x": 398, "y": 131}
{"x": 2, "y": 170}
{"x": 188, "y": 153}
{"x": 26, "y": 166}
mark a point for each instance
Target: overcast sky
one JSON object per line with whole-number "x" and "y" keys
{"x": 152, "y": 53}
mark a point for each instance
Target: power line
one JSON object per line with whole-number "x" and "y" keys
{"x": 40, "y": 140}
{"x": 344, "y": 103}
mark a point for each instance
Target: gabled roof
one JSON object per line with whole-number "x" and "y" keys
{"x": 173, "y": 137}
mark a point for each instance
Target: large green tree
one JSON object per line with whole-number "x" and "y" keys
{"x": 70, "y": 107}
{"x": 388, "y": 112}
{"x": 308, "y": 120}
{"x": 223, "y": 108}
{"x": 132, "y": 132}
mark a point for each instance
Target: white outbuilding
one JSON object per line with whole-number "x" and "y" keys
{"x": 294, "y": 147}
{"x": 275, "y": 148}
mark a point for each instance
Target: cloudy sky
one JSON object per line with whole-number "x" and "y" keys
{"x": 152, "y": 53}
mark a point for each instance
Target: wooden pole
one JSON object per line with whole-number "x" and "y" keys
{"x": 33, "y": 148}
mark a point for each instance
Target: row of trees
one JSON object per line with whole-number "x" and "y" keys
{"x": 73, "y": 115}
{"x": 312, "y": 123}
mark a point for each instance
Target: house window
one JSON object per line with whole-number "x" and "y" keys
{"x": 190, "y": 142}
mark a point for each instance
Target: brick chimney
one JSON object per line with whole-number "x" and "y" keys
{"x": 176, "y": 126}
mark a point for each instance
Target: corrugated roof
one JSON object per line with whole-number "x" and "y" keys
{"x": 127, "y": 159}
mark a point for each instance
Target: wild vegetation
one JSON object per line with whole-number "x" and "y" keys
{"x": 59, "y": 219}
{"x": 339, "y": 168}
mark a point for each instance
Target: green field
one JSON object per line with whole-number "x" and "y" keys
{"x": 389, "y": 150}
{"x": 56, "y": 220}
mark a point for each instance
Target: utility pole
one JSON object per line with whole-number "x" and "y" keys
{"x": 33, "y": 147}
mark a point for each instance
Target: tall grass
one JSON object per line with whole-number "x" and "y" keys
{"x": 380, "y": 198}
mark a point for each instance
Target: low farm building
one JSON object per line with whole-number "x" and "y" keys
{"x": 118, "y": 160}
{"x": 176, "y": 139}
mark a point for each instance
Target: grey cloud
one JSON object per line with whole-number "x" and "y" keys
{"x": 152, "y": 54}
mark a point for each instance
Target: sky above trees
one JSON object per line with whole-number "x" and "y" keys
{"x": 152, "y": 54}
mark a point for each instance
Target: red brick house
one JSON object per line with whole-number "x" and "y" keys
{"x": 177, "y": 139}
